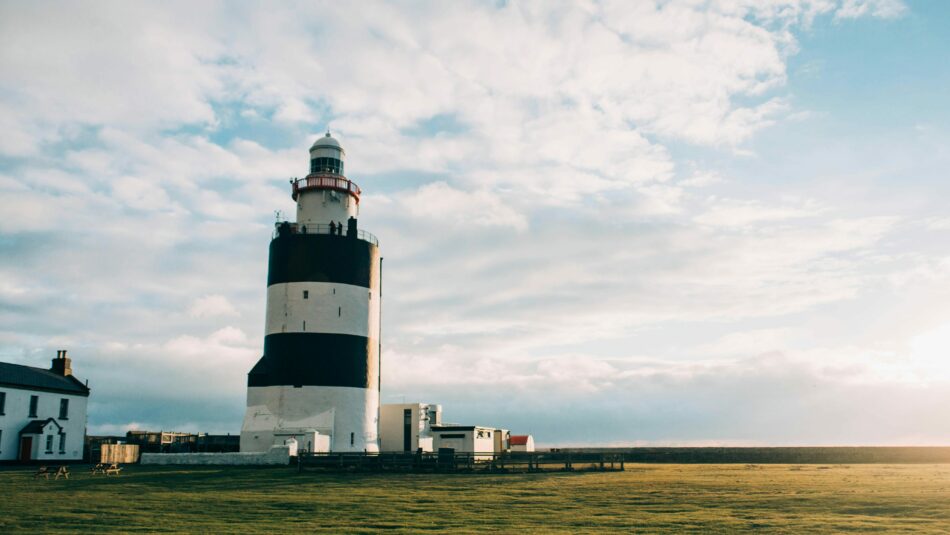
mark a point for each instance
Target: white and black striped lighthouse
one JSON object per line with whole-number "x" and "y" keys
{"x": 318, "y": 380}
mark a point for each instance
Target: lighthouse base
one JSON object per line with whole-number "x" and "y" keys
{"x": 320, "y": 418}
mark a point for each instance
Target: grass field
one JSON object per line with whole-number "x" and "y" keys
{"x": 699, "y": 498}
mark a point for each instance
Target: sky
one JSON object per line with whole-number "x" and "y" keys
{"x": 623, "y": 223}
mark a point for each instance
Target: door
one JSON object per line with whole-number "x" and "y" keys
{"x": 407, "y": 430}
{"x": 26, "y": 448}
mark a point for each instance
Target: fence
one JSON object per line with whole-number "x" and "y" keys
{"x": 451, "y": 461}
{"x": 119, "y": 453}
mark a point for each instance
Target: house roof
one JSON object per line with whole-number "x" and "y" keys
{"x": 519, "y": 440}
{"x": 35, "y": 427}
{"x": 30, "y": 378}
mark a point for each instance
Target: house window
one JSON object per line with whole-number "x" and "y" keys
{"x": 49, "y": 443}
{"x": 339, "y": 311}
{"x": 306, "y": 294}
{"x": 1, "y": 437}
{"x": 3, "y": 401}
{"x": 62, "y": 443}
{"x": 305, "y": 325}
{"x": 34, "y": 401}
{"x": 64, "y": 409}
{"x": 352, "y": 438}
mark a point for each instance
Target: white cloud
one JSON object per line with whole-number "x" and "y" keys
{"x": 551, "y": 184}
{"x": 885, "y": 9}
{"x": 212, "y": 306}
{"x": 439, "y": 203}
{"x": 744, "y": 213}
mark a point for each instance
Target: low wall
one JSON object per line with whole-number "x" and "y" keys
{"x": 278, "y": 455}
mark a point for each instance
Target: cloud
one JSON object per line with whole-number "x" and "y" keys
{"x": 554, "y": 186}
{"x": 884, "y": 9}
{"x": 212, "y": 306}
{"x": 439, "y": 203}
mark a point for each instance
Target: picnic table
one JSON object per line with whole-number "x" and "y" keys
{"x": 60, "y": 471}
{"x": 107, "y": 469}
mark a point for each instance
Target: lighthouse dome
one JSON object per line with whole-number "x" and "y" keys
{"x": 326, "y": 141}
{"x": 326, "y": 156}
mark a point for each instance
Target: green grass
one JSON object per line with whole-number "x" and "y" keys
{"x": 699, "y": 498}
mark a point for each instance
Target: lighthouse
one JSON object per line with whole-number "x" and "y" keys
{"x": 318, "y": 379}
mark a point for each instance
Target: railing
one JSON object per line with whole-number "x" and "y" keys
{"x": 326, "y": 181}
{"x": 307, "y": 228}
{"x": 452, "y": 461}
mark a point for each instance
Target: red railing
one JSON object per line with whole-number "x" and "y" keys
{"x": 326, "y": 181}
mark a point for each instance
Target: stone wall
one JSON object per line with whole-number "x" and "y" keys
{"x": 277, "y": 455}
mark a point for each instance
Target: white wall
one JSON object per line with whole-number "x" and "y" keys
{"x": 321, "y": 206}
{"x": 501, "y": 437}
{"x": 328, "y": 308}
{"x": 277, "y": 455}
{"x": 329, "y": 410}
{"x": 16, "y": 416}
{"x": 528, "y": 447}
{"x": 391, "y": 430}
{"x": 470, "y": 442}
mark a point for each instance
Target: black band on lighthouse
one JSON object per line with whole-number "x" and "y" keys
{"x": 322, "y": 258}
{"x": 316, "y": 359}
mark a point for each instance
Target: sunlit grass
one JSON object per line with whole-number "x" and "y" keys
{"x": 723, "y": 498}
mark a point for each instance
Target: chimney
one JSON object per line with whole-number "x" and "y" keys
{"x": 61, "y": 364}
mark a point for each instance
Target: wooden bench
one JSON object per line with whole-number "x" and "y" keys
{"x": 42, "y": 471}
{"x": 113, "y": 469}
{"x": 60, "y": 471}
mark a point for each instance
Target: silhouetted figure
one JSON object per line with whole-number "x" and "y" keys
{"x": 332, "y": 228}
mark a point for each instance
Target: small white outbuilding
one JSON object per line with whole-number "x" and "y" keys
{"x": 466, "y": 439}
{"x": 408, "y": 426}
{"x": 522, "y": 443}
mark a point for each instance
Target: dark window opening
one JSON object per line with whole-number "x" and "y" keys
{"x": 450, "y": 435}
{"x": 339, "y": 311}
{"x": 34, "y": 401}
{"x": 3, "y": 401}
{"x": 306, "y": 294}
{"x": 326, "y": 165}
{"x": 407, "y": 430}
{"x": 352, "y": 438}
{"x": 64, "y": 409}
{"x": 305, "y": 325}
{"x": 49, "y": 443}
{"x": 62, "y": 443}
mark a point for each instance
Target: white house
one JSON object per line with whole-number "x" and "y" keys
{"x": 465, "y": 439}
{"x": 42, "y": 412}
{"x": 522, "y": 443}
{"x": 408, "y": 426}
